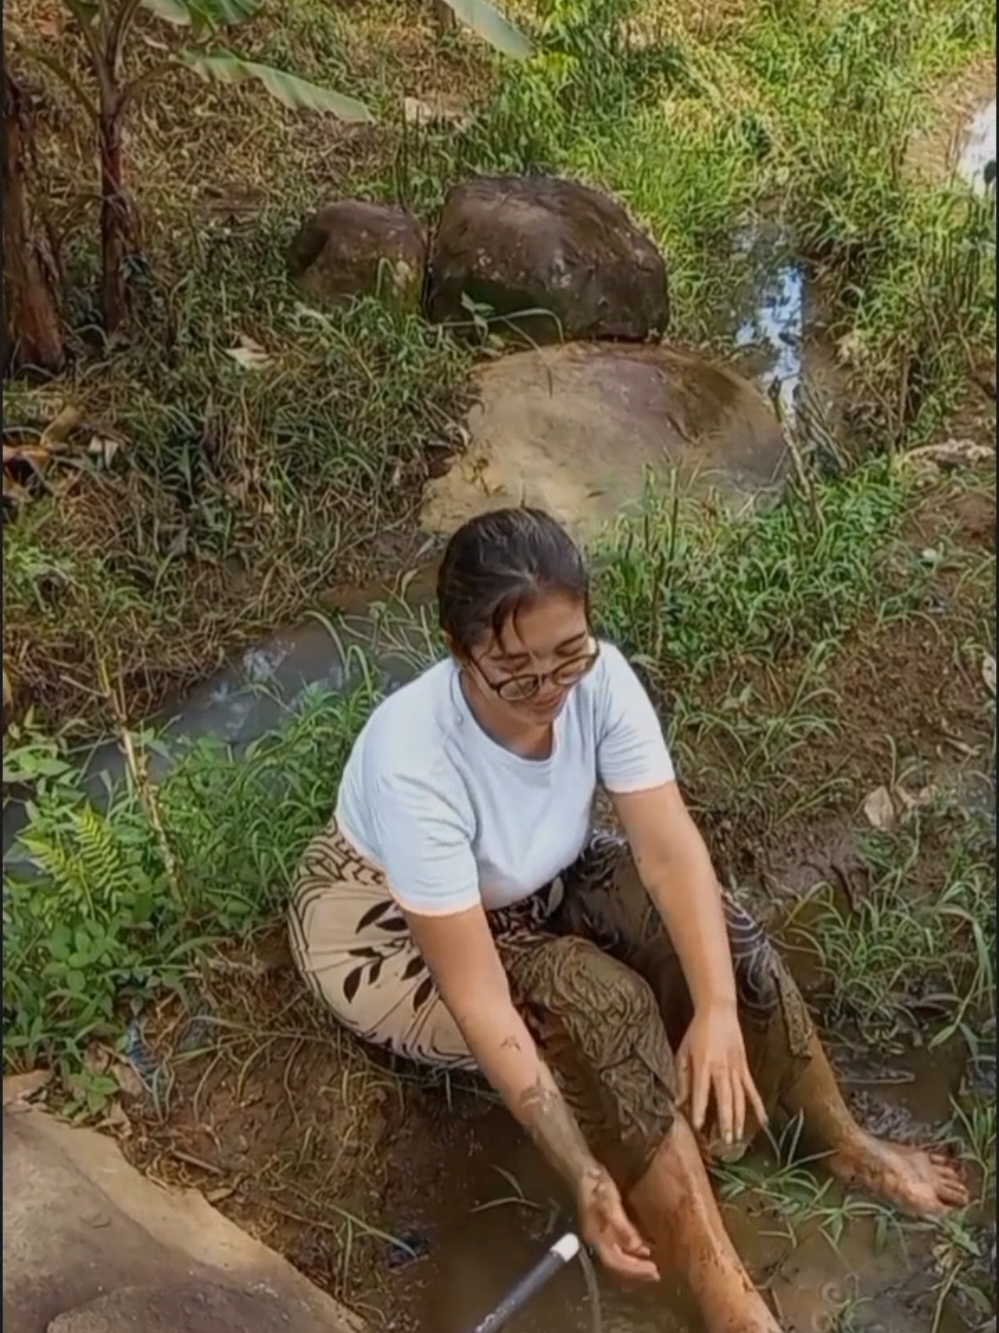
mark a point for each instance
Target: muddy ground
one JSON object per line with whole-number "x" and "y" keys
{"x": 399, "y": 1194}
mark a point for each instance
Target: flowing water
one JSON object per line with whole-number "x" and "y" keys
{"x": 977, "y": 159}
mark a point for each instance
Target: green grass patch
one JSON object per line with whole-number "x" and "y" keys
{"x": 123, "y": 902}
{"x": 688, "y": 595}
{"x": 912, "y": 951}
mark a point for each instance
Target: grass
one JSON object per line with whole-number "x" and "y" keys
{"x": 904, "y": 955}
{"x": 796, "y": 653}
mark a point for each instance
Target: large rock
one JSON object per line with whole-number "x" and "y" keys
{"x": 184, "y": 1307}
{"x": 573, "y": 429}
{"x": 90, "y": 1246}
{"x": 536, "y": 243}
{"x": 351, "y": 248}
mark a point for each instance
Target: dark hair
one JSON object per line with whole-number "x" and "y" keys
{"x": 499, "y": 562}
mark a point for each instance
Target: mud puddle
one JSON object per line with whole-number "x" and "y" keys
{"x": 494, "y": 1208}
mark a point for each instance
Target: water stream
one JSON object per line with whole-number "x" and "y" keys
{"x": 977, "y": 159}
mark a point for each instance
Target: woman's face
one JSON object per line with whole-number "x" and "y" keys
{"x": 530, "y": 669}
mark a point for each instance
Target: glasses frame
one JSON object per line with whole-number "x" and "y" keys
{"x": 536, "y": 679}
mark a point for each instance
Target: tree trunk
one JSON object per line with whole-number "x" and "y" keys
{"x": 32, "y": 325}
{"x": 118, "y": 225}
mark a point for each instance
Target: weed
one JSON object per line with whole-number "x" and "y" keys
{"x": 125, "y": 566}
{"x": 686, "y": 597}
{"x": 903, "y": 955}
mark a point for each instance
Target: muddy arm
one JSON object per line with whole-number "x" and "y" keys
{"x": 460, "y": 953}
{"x": 674, "y": 865}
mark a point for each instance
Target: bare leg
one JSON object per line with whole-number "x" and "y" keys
{"x": 598, "y": 1025}
{"x": 919, "y": 1181}
{"x": 607, "y": 903}
{"x": 676, "y": 1209}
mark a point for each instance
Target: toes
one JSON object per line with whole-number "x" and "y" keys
{"x": 939, "y": 1157}
{"x": 953, "y": 1192}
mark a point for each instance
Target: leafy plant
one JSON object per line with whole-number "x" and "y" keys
{"x": 105, "y": 27}
{"x": 105, "y": 908}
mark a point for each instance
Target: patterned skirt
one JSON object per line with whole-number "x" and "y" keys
{"x": 591, "y": 970}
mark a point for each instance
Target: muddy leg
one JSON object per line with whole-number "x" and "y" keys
{"x": 675, "y": 1205}
{"x": 606, "y": 902}
{"x": 919, "y": 1181}
{"x": 598, "y": 1024}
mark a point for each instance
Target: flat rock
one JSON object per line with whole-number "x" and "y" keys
{"x": 528, "y": 244}
{"x": 352, "y": 248}
{"x": 186, "y": 1307}
{"x": 576, "y": 429}
{"x": 79, "y": 1223}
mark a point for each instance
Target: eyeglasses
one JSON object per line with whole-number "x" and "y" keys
{"x": 518, "y": 689}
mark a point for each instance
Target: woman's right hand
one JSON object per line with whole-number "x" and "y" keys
{"x": 606, "y": 1226}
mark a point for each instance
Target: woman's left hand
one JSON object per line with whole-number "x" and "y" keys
{"x": 712, "y": 1059}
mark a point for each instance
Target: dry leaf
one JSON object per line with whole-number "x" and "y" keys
{"x": 989, "y": 673}
{"x": 128, "y": 1080}
{"x": 951, "y": 453}
{"x": 37, "y": 456}
{"x": 217, "y": 1195}
{"x": 249, "y": 354}
{"x": 910, "y": 801}
{"x": 20, "y": 1089}
{"x": 60, "y": 427}
{"x": 880, "y": 809}
{"x": 104, "y": 447}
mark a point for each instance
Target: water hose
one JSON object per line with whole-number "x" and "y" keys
{"x": 565, "y": 1249}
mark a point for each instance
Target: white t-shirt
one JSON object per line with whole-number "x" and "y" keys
{"x": 453, "y": 819}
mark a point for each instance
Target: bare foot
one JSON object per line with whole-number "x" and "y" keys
{"x": 919, "y": 1181}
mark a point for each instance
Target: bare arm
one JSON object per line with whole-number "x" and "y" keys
{"x": 675, "y": 868}
{"x": 673, "y": 864}
{"x": 462, "y": 957}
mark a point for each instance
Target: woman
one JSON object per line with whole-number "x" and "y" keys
{"x": 460, "y": 912}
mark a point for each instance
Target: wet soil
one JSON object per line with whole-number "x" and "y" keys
{"x": 955, "y": 139}
{"x": 420, "y": 1204}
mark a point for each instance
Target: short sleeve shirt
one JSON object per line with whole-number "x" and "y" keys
{"x": 453, "y": 819}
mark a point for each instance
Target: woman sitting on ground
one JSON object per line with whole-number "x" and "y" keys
{"x": 460, "y": 911}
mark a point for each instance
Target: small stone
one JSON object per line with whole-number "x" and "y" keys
{"x": 352, "y": 249}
